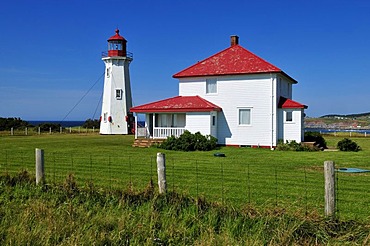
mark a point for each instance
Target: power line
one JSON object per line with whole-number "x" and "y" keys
{"x": 70, "y": 111}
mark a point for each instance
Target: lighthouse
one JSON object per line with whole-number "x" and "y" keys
{"x": 117, "y": 100}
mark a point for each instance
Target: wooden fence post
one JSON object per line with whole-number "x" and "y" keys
{"x": 40, "y": 176}
{"x": 161, "y": 169}
{"x": 330, "y": 196}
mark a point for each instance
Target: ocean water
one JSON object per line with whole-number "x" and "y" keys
{"x": 62, "y": 123}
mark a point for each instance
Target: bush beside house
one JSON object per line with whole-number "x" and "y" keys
{"x": 190, "y": 142}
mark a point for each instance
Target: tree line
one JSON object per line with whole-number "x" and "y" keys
{"x": 6, "y": 124}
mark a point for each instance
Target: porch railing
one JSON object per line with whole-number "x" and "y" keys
{"x": 164, "y": 132}
{"x": 142, "y": 132}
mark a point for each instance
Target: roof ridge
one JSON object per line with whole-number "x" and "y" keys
{"x": 142, "y": 105}
{"x": 230, "y": 61}
{"x": 260, "y": 58}
{"x": 173, "y": 76}
{"x": 178, "y": 104}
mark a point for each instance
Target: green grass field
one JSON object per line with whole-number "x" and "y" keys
{"x": 262, "y": 178}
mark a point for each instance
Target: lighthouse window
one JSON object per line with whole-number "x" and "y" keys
{"x": 115, "y": 45}
{"x": 118, "y": 94}
{"x": 108, "y": 72}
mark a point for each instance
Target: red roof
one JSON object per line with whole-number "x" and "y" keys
{"x": 177, "y": 104}
{"x": 289, "y": 103}
{"x": 117, "y": 37}
{"x": 231, "y": 61}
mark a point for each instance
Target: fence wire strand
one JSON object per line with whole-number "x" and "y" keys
{"x": 224, "y": 180}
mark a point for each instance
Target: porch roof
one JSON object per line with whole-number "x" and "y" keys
{"x": 289, "y": 103}
{"x": 177, "y": 104}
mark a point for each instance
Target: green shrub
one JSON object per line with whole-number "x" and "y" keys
{"x": 294, "y": 146}
{"x": 90, "y": 123}
{"x": 347, "y": 144}
{"x": 315, "y": 137}
{"x": 15, "y": 123}
{"x": 46, "y": 127}
{"x": 190, "y": 142}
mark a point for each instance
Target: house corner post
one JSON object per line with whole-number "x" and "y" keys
{"x": 135, "y": 126}
{"x": 161, "y": 169}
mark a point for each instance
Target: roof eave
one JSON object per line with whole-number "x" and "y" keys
{"x": 173, "y": 110}
{"x": 232, "y": 74}
{"x": 293, "y": 107}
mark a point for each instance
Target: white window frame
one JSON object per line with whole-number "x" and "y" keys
{"x": 211, "y": 86}
{"x": 108, "y": 72}
{"x": 213, "y": 120}
{"x": 250, "y": 116}
{"x": 289, "y": 119}
{"x": 119, "y": 93}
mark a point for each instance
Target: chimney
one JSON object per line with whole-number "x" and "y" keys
{"x": 234, "y": 40}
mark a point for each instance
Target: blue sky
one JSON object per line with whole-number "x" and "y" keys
{"x": 50, "y": 51}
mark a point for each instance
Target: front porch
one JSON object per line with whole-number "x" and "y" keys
{"x": 173, "y": 116}
{"x": 143, "y": 137}
{"x": 158, "y": 132}
{"x": 161, "y": 126}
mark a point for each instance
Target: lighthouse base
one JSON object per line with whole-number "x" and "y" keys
{"x": 113, "y": 129}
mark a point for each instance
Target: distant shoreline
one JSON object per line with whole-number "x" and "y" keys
{"x": 332, "y": 130}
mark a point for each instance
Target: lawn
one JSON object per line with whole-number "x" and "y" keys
{"x": 262, "y": 178}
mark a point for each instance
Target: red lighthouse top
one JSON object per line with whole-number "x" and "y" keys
{"x": 117, "y": 45}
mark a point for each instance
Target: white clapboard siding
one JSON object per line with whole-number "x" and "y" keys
{"x": 293, "y": 129}
{"x": 198, "y": 122}
{"x": 234, "y": 92}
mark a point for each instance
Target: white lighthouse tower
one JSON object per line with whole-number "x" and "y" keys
{"x": 117, "y": 100}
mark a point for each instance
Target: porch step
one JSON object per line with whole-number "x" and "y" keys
{"x": 146, "y": 142}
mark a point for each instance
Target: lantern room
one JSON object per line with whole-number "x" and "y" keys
{"x": 117, "y": 45}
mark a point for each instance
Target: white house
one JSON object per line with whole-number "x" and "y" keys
{"x": 235, "y": 96}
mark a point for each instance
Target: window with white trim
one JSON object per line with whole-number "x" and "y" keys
{"x": 211, "y": 86}
{"x": 244, "y": 116}
{"x": 289, "y": 116}
{"x": 119, "y": 94}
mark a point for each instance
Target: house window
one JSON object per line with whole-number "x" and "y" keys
{"x": 289, "y": 116}
{"x": 244, "y": 116}
{"x": 213, "y": 120}
{"x": 211, "y": 86}
{"x": 170, "y": 120}
{"x": 118, "y": 94}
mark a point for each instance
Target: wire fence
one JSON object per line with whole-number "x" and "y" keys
{"x": 229, "y": 181}
{"x": 31, "y": 131}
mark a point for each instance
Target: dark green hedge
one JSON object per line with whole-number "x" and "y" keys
{"x": 190, "y": 142}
